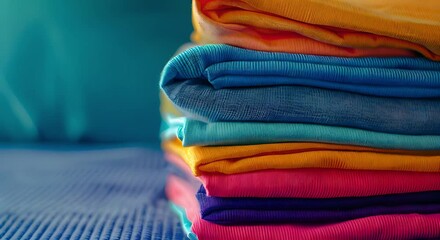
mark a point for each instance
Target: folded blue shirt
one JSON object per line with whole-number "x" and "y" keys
{"x": 225, "y": 66}
{"x": 223, "y": 83}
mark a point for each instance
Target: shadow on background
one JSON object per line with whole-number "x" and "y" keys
{"x": 85, "y": 70}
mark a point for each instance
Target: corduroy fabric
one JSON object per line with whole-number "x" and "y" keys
{"x": 224, "y": 66}
{"x": 197, "y": 133}
{"x": 245, "y": 211}
{"x": 248, "y": 158}
{"x": 318, "y": 183}
{"x": 321, "y": 27}
{"x": 195, "y": 96}
{"x": 312, "y": 183}
{"x": 399, "y": 226}
{"x": 211, "y": 204}
{"x": 80, "y": 193}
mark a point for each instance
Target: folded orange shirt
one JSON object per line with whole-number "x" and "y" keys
{"x": 249, "y": 158}
{"x": 320, "y": 27}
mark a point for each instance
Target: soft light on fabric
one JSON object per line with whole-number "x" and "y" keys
{"x": 322, "y": 27}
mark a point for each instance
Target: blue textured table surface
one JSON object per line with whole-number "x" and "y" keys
{"x": 84, "y": 193}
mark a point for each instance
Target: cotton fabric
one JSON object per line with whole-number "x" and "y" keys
{"x": 250, "y": 211}
{"x": 197, "y": 133}
{"x": 225, "y": 66}
{"x": 231, "y": 159}
{"x": 184, "y": 85}
{"x": 321, "y": 27}
{"x": 210, "y": 204}
{"x": 398, "y": 226}
{"x": 310, "y": 126}
{"x": 311, "y": 183}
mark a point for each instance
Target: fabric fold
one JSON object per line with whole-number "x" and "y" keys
{"x": 224, "y": 66}
{"x": 305, "y": 120}
{"x": 396, "y": 226}
{"x": 197, "y": 133}
{"x": 321, "y": 27}
{"x": 248, "y": 158}
{"x": 312, "y": 183}
{"x": 250, "y": 211}
{"x": 184, "y": 82}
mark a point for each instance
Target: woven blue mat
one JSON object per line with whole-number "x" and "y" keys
{"x": 84, "y": 193}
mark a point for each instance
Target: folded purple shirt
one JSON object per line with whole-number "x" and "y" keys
{"x": 243, "y": 211}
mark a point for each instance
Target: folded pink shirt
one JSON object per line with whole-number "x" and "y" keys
{"x": 399, "y": 226}
{"x": 313, "y": 183}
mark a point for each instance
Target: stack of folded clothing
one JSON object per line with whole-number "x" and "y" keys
{"x": 306, "y": 120}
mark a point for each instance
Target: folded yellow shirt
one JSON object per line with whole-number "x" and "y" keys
{"x": 238, "y": 159}
{"x": 322, "y": 27}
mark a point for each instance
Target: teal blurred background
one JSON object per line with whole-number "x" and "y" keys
{"x": 85, "y": 70}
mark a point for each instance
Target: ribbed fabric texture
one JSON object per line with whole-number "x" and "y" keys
{"x": 336, "y": 28}
{"x": 211, "y": 204}
{"x": 249, "y": 211}
{"x": 318, "y": 183}
{"x": 306, "y": 120}
{"x": 225, "y": 66}
{"x": 197, "y": 133}
{"x": 248, "y": 158}
{"x": 399, "y": 226}
{"x": 109, "y": 192}
{"x": 313, "y": 183}
{"x": 184, "y": 84}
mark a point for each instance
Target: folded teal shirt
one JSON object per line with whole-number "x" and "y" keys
{"x": 215, "y": 83}
{"x": 193, "y": 132}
